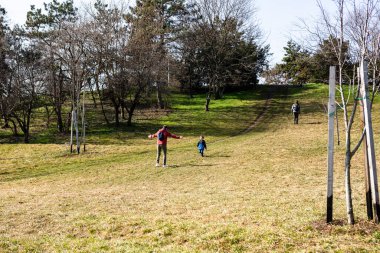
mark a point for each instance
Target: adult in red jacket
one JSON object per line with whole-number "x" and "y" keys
{"x": 162, "y": 139}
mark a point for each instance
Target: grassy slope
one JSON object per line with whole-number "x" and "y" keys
{"x": 261, "y": 191}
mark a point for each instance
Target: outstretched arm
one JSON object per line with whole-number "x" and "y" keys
{"x": 151, "y": 136}
{"x": 175, "y": 136}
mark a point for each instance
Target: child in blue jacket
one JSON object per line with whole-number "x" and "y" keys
{"x": 201, "y": 145}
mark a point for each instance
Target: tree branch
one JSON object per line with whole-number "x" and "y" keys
{"x": 358, "y": 144}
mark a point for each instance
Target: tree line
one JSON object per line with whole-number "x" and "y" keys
{"x": 338, "y": 37}
{"x": 123, "y": 57}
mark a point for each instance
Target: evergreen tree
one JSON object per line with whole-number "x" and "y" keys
{"x": 296, "y": 66}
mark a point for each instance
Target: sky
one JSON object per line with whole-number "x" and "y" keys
{"x": 277, "y": 18}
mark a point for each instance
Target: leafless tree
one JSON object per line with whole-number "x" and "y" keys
{"x": 71, "y": 51}
{"x": 45, "y": 27}
{"x": 364, "y": 33}
{"x": 351, "y": 22}
{"x": 25, "y": 82}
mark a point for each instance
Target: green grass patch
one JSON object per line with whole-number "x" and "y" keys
{"x": 261, "y": 190}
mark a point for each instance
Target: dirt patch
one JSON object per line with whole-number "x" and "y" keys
{"x": 361, "y": 227}
{"x": 259, "y": 116}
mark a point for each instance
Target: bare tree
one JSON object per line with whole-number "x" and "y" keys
{"x": 364, "y": 33}
{"x": 71, "y": 51}
{"x": 25, "y": 82}
{"x": 355, "y": 28}
{"x": 45, "y": 27}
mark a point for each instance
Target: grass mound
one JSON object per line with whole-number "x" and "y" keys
{"x": 256, "y": 191}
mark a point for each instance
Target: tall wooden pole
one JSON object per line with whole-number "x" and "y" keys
{"x": 368, "y": 196}
{"x": 71, "y": 131}
{"x": 330, "y": 149}
{"x": 77, "y": 110}
{"x": 83, "y": 124}
{"x": 369, "y": 138}
{"x": 76, "y": 130}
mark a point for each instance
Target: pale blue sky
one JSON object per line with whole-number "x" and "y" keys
{"x": 278, "y": 18}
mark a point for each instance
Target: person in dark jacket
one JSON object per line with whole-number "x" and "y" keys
{"x": 296, "y": 110}
{"x": 162, "y": 139}
{"x": 201, "y": 145}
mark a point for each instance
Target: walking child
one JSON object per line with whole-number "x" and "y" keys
{"x": 201, "y": 145}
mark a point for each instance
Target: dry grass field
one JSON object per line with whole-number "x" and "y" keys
{"x": 260, "y": 191}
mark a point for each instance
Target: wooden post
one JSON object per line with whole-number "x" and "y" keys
{"x": 76, "y": 130}
{"x": 369, "y": 138}
{"x": 366, "y": 161}
{"x": 71, "y": 131}
{"x": 330, "y": 149}
{"x": 83, "y": 125}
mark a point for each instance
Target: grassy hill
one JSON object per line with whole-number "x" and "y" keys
{"x": 262, "y": 190}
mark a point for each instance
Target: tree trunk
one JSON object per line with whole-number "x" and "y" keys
{"x": 26, "y": 136}
{"x": 101, "y": 100}
{"x": 216, "y": 92}
{"x": 14, "y": 128}
{"x": 190, "y": 89}
{"x": 350, "y": 209}
{"x": 117, "y": 113}
{"x": 104, "y": 112}
{"x": 58, "y": 112}
{"x": 6, "y": 122}
{"x": 123, "y": 113}
{"x": 58, "y": 101}
{"x": 160, "y": 101}
{"x": 47, "y": 116}
{"x": 130, "y": 115}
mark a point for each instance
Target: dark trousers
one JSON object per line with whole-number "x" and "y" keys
{"x": 159, "y": 148}
{"x": 296, "y": 117}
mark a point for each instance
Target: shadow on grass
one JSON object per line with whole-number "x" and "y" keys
{"x": 312, "y": 123}
{"x": 199, "y": 165}
{"x": 219, "y": 155}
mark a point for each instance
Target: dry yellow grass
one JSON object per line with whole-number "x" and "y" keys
{"x": 264, "y": 191}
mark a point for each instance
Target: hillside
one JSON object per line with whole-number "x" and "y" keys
{"x": 261, "y": 190}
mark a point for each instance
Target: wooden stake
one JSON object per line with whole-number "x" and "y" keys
{"x": 330, "y": 149}
{"x": 369, "y": 138}
{"x": 366, "y": 160}
{"x": 76, "y": 130}
{"x": 71, "y": 132}
{"x": 83, "y": 125}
